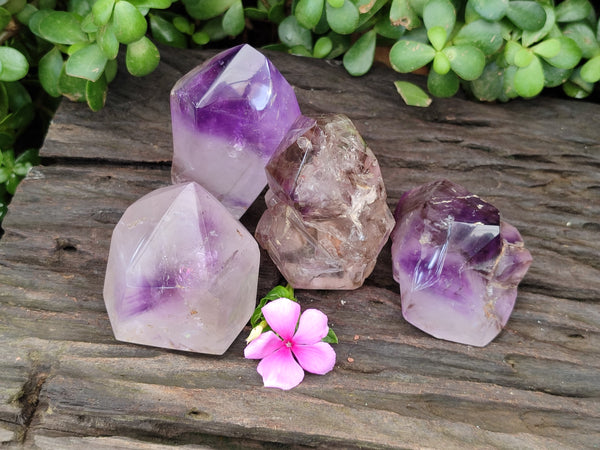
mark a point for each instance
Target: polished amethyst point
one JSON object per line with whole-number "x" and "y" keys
{"x": 457, "y": 263}
{"x": 327, "y": 217}
{"x": 182, "y": 272}
{"x": 228, "y": 117}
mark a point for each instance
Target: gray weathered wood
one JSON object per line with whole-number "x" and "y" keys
{"x": 66, "y": 383}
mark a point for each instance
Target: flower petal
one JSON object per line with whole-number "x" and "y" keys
{"x": 312, "y": 328}
{"x": 282, "y": 316}
{"x": 317, "y": 358}
{"x": 263, "y": 346}
{"x": 280, "y": 370}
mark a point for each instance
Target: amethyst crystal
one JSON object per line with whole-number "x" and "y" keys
{"x": 457, "y": 263}
{"x": 182, "y": 272}
{"x": 228, "y": 117}
{"x": 327, "y": 217}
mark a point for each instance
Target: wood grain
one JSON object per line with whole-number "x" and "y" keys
{"x": 66, "y": 383}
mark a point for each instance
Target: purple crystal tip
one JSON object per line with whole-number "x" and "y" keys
{"x": 182, "y": 273}
{"x": 228, "y": 117}
{"x": 327, "y": 218}
{"x": 457, "y": 263}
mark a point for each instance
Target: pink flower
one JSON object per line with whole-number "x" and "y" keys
{"x": 278, "y": 348}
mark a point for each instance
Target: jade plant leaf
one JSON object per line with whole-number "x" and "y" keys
{"x": 95, "y": 93}
{"x": 568, "y": 56}
{"x": 439, "y": 13}
{"x": 437, "y": 36}
{"x": 486, "y": 36}
{"x": 61, "y": 27}
{"x": 164, "y": 31}
{"x": 412, "y": 94}
{"x": 102, "y": 11}
{"x": 322, "y": 47}
{"x": 5, "y": 18}
{"x": 156, "y": 4}
{"x": 342, "y": 20}
{"x": 88, "y": 63}
{"x": 233, "y": 19}
{"x": 553, "y": 76}
{"x": 71, "y": 87}
{"x": 488, "y": 87}
{"x": 206, "y": 9}
{"x": 573, "y": 10}
{"x": 359, "y": 58}
{"x": 441, "y": 64}
{"x": 548, "y": 48}
{"x": 142, "y": 57}
{"x": 531, "y": 37}
{"x": 291, "y": 33}
{"x": 529, "y": 81}
{"x": 309, "y": 12}
{"x": 577, "y": 87}
{"x": 527, "y": 15}
{"x": 590, "y": 71}
{"x": 13, "y": 63}
{"x": 407, "y": 56}
{"x": 129, "y": 25}
{"x": 108, "y": 42}
{"x": 49, "y": 69}
{"x": 491, "y": 10}
{"x": 466, "y": 60}
{"x": 403, "y": 14}
{"x": 585, "y": 38}
{"x": 444, "y": 86}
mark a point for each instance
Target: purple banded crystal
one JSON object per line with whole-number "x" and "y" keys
{"x": 457, "y": 263}
{"x": 182, "y": 272}
{"x": 327, "y": 218}
{"x": 228, "y": 117}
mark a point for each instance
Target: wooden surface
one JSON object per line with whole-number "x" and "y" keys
{"x": 66, "y": 383}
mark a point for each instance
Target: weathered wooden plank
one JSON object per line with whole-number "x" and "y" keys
{"x": 66, "y": 383}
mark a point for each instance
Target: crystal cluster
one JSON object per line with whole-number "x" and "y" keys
{"x": 182, "y": 272}
{"x": 327, "y": 217}
{"x": 457, "y": 263}
{"x": 228, "y": 117}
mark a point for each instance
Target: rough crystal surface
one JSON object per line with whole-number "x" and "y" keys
{"x": 182, "y": 272}
{"x": 228, "y": 117}
{"x": 327, "y": 218}
{"x": 457, "y": 263}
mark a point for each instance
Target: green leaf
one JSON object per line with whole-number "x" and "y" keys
{"x": 36, "y": 19}
{"x": 437, "y": 36}
{"x": 15, "y": 6}
{"x": 530, "y": 37}
{"x": 590, "y": 71}
{"x": 79, "y": 7}
{"x": 322, "y": 47}
{"x": 343, "y": 20}
{"x": 385, "y": 28}
{"x": 408, "y": 56}
{"x": 336, "y": 3}
{"x": 142, "y": 57}
{"x": 49, "y": 70}
{"x": 95, "y": 93}
{"x": 152, "y": 4}
{"x": 61, "y": 27}
{"x": 309, "y": 12}
{"x": 165, "y": 32}
{"x": 206, "y": 9}
{"x": 331, "y": 337}
{"x": 486, "y": 36}
{"x": 402, "y": 14}
{"x": 553, "y": 76}
{"x": 529, "y": 81}
{"x": 359, "y": 58}
{"x": 291, "y": 33}
{"x": 412, "y": 94}
{"x": 576, "y": 87}
{"x": 88, "y": 25}
{"x": 573, "y": 10}
{"x": 256, "y": 14}
{"x": 584, "y": 36}
{"x": 491, "y": 10}
{"x": 277, "y": 12}
{"x": 441, "y": 64}
{"x": 439, "y": 13}
{"x": 442, "y": 85}
{"x": 488, "y": 87}
{"x": 340, "y": 44}
{"x": 88, "y": 63}
{"x": 273, "y": 294}
{"x": 14, "y": 65}
{"x": 527, "y": 15}
{"x": 233, "y": 19}
{"x": 548, "y": 48}
{"x": 201, "y": 38}
{"x": 26, "y": 13}
{"x": 110, "y": 71}
{"x": 129, "y": 25}
{"x": 18, "y": 96}
{"x": 183, "y": 24}
{"x": 102, "y": 11}
{"x": 523, "y": 57}
{"x": 108, "y": 42}
{"x": 568, "y": 56}
{"x": 466, "y": 60}
{"x": 3, "y": 107}
{"x": 5, "y": 18}
{"x": 214, "y": 29}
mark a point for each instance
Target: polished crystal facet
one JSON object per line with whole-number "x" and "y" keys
{"x": 182, "y": 272}
{"x": 457, "y": 263}
{"x": 228, "y": 117}
{"x": 327, "y": 217}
